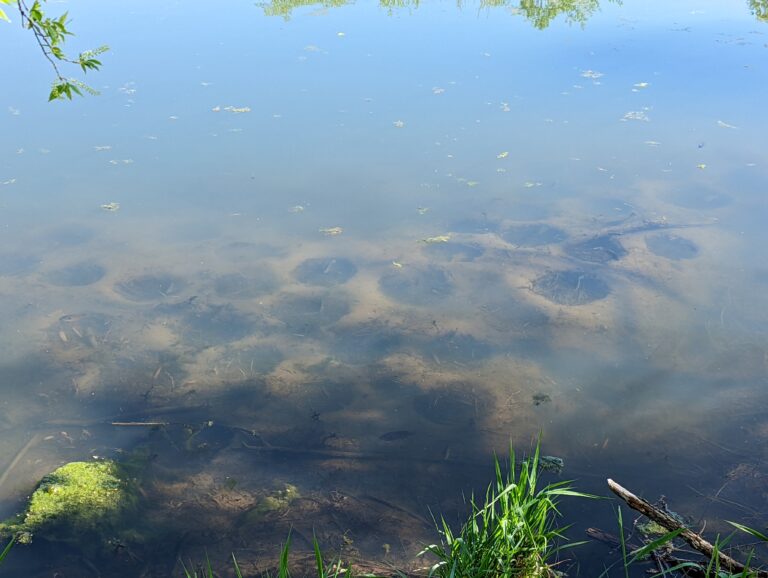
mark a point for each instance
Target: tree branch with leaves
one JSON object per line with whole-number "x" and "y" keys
{"x": 51, "y": 34}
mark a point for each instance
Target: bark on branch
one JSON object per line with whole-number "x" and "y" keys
{"x": 695, "y": 541}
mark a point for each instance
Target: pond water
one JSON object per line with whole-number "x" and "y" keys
{"x": 359, "y": 248}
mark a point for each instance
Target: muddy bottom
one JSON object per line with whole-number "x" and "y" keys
{"x": 16, "y": 264}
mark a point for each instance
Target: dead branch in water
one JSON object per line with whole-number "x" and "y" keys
{"x": 671, "y": 524}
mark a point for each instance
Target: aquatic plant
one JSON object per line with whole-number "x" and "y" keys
{"x": 77, "y": 499}
{"x": 513, "y": 533}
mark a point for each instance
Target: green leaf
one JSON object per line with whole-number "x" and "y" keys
{"x": 7, "y": 549}
{"x": 757, "y": 534}
{"x": 648, "y": 548}
{"x": 3, "y": 16}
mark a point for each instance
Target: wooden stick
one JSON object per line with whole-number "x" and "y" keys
{"x": 19, "y": 456}
{"x": 139, "y": 423}
{"x": 664, "y": 519}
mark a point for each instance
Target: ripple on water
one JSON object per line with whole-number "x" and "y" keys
{"x": 325, "y": 271}
{"x": 570, "y": 287}
{"x": 77, "y": 275}
{"x": 671, "y": 246}
{"x": 533, "y": 235}
{"x": 150, "y": 287}
{"x": 416, "y": 285}
{"x": 600, "y": 249}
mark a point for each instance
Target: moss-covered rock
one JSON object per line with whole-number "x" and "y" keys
{"x": 77, "y": 499}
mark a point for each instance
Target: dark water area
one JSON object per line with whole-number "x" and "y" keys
{"x": 310, "y": 272}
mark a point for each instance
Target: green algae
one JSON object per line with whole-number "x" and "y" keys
{"x": 76, "y": 499}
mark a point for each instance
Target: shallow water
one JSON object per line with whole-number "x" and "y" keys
{"x": 437, "y": 230}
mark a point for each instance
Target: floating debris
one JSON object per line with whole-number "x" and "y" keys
{"x": 636, "y": 115}
{"x": 652, "y": 143}
{"x": 701, "y": 166}
{"x": 503, "y": 155}
{"x": 331, "y": 231}
{"x": 593, "y": 74}
{"x": 437, "y": 90}
{"x": 103, "y": 148}
{"x": 398, "y": 124}
{"x": 296, "y": 209}
{"x": 237, "y": 109}
{"x": 422, "y": 210}
{"x": 722, "y": 124}
{"x": 639, "y": 86}
{"x": 397, "y": 265}
{"x": 437, "y": 239}
{"x": 111, "y": 207}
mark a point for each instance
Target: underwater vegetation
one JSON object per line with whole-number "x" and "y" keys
{"x": 76, "y": 500}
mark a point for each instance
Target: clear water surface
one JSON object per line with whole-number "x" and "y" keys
{"x": 360, "y": 248}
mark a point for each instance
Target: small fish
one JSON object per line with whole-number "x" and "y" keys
{"x": 392, "y": 436}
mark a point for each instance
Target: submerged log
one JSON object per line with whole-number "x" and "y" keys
{"x": 671, "y": 524}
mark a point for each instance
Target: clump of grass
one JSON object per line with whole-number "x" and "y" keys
{"x": 513, "y": 533}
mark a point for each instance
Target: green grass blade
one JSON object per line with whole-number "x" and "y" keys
{"x": 757, "y": 534}
{"x": 7, "y": 549}
{"x": 238, "y": 573}
{"x": 657, "y": 543}
{"x": 318, "y": 557}
{"x": 282, "y": 571}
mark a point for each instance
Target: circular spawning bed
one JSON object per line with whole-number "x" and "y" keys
{"x": 671, "y": 246}
{"x": 600, "y": 249}
{"x": 533, "y": 235}
{"x": 570, "y": 287}
{"x": 239, "y": 286}
{"x": 77, "y": 275}
{"x": 325, "y": 271}
{"x": 416, "y": 286}
{"x": 150, "y": 287}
